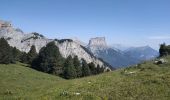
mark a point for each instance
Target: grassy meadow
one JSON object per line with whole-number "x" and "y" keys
{"x": 146, "y": 81}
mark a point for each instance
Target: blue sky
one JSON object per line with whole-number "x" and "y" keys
{"x": 127, "y": 22}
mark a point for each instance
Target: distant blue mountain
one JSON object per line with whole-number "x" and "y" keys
{"x": 141, "y": 53}
{"x": 114, "y": 57}
{"x": 118, "y": 58}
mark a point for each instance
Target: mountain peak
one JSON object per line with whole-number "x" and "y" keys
{"x": 5, "y": 24}
{"x": 98, "y": 41}
{"x": 75, "y": 39}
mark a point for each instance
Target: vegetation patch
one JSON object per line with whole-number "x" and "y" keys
{"x": 63, "y": 40}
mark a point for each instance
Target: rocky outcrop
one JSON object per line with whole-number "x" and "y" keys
{"x": 160, "y": 61}
{"x": 5, "y": 24}
{"x": 98, "y": 41}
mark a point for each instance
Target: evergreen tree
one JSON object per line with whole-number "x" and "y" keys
{"x": 69, "y": 68}
{"x": 5, "y": 52}
{"x": 31, "y": 54}
{"x": 98, "y": 69}
{"x": 77, "y": 66}
{"x": 162, "y": 50}
{"x": 92, "y": 68}
{"x": 85, "y": 68}
{"x": 102, "y": 69}
{"x": 24, "y": 58}
{"x": 49, "y": 60}
{"x": 16, "y": 54}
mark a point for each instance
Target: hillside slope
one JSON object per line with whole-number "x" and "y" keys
{"x": 146, "y": 81}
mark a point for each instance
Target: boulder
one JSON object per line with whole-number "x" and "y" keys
{"x": 160, "y": 61}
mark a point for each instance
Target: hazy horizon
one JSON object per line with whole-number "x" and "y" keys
{"x": 126, "y": 22}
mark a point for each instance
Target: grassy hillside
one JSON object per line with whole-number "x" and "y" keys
{"x": 143, "y": 82}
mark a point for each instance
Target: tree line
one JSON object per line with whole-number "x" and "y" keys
{"x": 9, "y": 54}
{"x": 49, "y": 60}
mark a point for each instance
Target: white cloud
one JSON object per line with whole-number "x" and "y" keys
{"x": 159, "y": 37}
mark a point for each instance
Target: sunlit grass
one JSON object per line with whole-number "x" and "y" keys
{"x": 146, "y": 81}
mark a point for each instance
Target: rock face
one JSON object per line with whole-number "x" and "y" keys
{"x": 23, "y": 42}
{"x": 5, "y": 24}
{"x": 75, "y": 39}
{"x": 17, "y": 38}
{"x": 98, "y": 41}
{"x": 72, "y": 48}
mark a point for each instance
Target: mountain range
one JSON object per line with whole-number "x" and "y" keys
{"x": 141, "y": 53}
{"x": 119, "y": 58}
{"x": 22, "y": 41}
{"x": 97, "y": 50}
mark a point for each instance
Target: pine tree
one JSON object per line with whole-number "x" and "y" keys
{"x": 69, "y": 68}
{"x": 24, "y": 58}
{"x": 102, "y": 69}
{"x": 163, "y": 50}
{"x": 16, "y": 54}
{"x": 92, "y": 68}
{"x": 5, "y": 52}
{"x": 85, "y": 68}
{"x": 98, "y": 69}
{"x": 31, "y": 54}
{"x": 77, "y": 66}
{"x": 49, "y": 60}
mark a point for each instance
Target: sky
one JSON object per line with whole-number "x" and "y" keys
{"x": 126, "y": 22}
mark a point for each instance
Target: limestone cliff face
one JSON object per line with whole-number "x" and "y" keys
{"x": 72, "y": 48}
{"x": 17, "y": 38}
{"x": 97, "y": 44}
{"x": 98, "y": 41}
{"x": 23, "y": 42}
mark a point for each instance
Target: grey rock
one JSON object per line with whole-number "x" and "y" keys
{"x": 98, "y": 41}
{"x": 160, "y": 61}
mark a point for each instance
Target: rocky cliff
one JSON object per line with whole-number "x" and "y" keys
{"x": 98, "y": 41}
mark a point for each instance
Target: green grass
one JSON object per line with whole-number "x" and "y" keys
{"x": 144, "y": 82}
